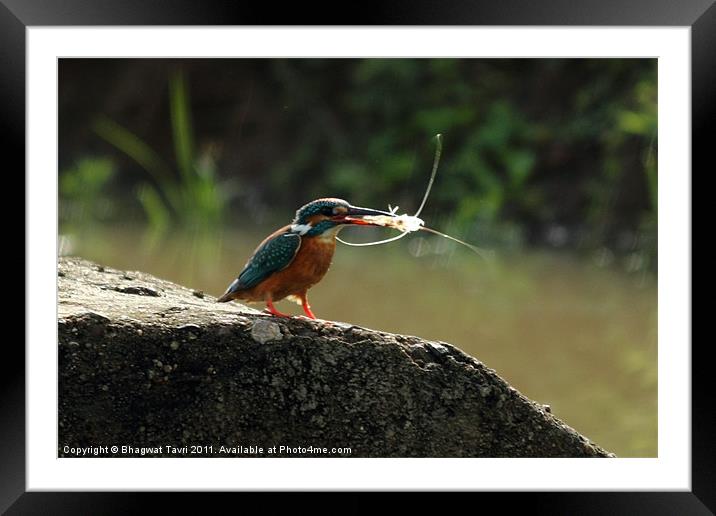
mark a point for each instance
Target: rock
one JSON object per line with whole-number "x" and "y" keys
{"x": 264, "y": 331}
{"x": 175, "y": 370}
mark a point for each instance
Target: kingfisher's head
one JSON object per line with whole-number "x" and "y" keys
{"x": 330, "y": 214}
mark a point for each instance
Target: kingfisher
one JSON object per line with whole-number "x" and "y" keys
{"x": 296, "y": 257}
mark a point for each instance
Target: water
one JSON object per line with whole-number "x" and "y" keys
{"x": 561, "y": 329}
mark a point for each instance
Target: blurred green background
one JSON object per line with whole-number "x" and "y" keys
{"x": 180, "y": 167}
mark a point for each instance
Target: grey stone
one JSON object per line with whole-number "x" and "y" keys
{"x": 244, "y": 378}
{"x": 264, "y": 331}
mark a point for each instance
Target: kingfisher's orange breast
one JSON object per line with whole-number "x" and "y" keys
{"x": 307, "y": 268}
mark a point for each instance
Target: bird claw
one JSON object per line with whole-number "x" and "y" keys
{"x": 266, "y": 311}
{"x": 275, "y": 314}
{"x": 313, "y": 319}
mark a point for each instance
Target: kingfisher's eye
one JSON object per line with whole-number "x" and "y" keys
{"x": 327, "y": 210}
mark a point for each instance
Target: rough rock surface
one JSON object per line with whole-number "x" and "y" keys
{"x": 149, "y": 364}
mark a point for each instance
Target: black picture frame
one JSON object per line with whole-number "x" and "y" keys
{"x": 17, "y": 15}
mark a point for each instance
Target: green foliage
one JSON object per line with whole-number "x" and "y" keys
{"x": 529, "y": 144}
{"x": 533, "y": 147}
{"x": 488, "y": 161}
{"x": 157, "y": 213}
{"x": 134, "y": 147}
{"x": 192, "y": 197}
{"x": 642, "y": 121}
{"x": 83, "y": 189}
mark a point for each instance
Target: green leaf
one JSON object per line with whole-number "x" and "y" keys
{"x": 154, "y": 207}
{"x": 181, "y": 125}
{"x": 133, "y": 146}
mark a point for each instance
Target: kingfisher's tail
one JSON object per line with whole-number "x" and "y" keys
{"x": 230, "y": 292}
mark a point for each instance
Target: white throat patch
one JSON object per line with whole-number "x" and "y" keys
{"x": 301, "y": 229}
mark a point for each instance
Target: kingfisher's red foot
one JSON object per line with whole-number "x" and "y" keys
{"x": 306, "y": 307}
{"x": 266, "y": 311}
{"x": 272, "y": 310}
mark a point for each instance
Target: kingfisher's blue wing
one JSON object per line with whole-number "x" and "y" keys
{"x": 274, "y": 254}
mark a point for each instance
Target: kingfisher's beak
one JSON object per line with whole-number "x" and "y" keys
{"x": 352, "y": 216}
